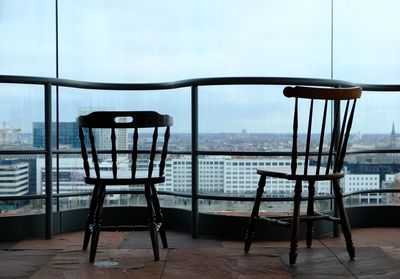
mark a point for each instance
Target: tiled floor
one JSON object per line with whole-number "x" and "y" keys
{"x": 129, "y": 255}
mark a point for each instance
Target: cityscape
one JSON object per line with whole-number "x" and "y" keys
{"x": 218, "y": 175}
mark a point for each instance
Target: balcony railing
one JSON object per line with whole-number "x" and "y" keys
{"x": 194, "y": 85}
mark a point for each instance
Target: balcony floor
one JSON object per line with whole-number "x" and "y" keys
{"x": 377, "y": 256}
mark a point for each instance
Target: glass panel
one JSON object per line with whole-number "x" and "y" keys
{"x": 27, "y": 48}
{"x": 18, "y": 177}
{"x": 243, "y": 208}
{"x": 22, "y": 106}
{"x": 176, "y": 102}
{"x": 365, "y": 44}
{"x": 240, "y": 118}
{"x": 153, "y": 41}
{"x": 21, "y": 207}
{"x": 375, "y": 128}
{"x": 27, "y": 37}
{"x": 75, "y": 102}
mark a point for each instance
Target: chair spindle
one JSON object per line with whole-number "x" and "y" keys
{"x": 114, "y": 152}
{"x": 333, "y": 137}
{"x": 346, "y": 138}
{"x": 321, "y": 139}
{"x": 134, "y": 152}
{"x": 294, "y": 146}
{"x": 94, "y": 153}
{"x": 84, "y": 152}
{"x": 310, "y": 116}
{"x": 164, "y": 152}
{"x": 342, "y": 131}
{"x": 153, "y": 152}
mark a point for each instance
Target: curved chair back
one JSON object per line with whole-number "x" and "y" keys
{"x": 114, "y": 121}
{"x": 341, "y": 125}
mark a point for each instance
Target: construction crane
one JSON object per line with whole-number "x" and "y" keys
{"x": 9, "y": 135}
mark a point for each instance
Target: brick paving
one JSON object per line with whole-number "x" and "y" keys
{"x": 129, "y": 255}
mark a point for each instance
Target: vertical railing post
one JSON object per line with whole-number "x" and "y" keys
{"x": 48, "y": 160}
{"x": 57, "y": 113}
{"x": 195, "y": 161}
{"x": 336, "y": 107}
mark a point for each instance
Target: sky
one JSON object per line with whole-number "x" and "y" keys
{"x": 159, "y": 41}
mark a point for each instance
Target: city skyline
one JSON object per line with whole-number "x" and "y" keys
{"x": 155, "y": 42}
{"x": 219, "y": 175}
{"x": 12, "y": 137}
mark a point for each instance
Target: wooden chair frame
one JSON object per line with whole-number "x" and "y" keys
{"x": 333, "y": 166}
{"x": 136, "y": 120}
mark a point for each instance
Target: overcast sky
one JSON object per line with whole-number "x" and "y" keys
{"x": 156, "y": 41}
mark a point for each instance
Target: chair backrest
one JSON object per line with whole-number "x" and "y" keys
{"x": 109, "y": 124}
{"x": 339, "y": 130}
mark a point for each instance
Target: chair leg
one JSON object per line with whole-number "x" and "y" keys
{"x": 97, "y": 222}
{"x": 295, "y": 223}
{"x": 344, "y": 221}
{"x": 310, "y": 212}
{"x": 90, "y": 217}
{"x": 159, "y": 217}
{"x": 254, "y": 214}
{"x": 152, "y": 222}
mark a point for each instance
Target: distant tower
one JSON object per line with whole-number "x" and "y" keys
{"x": 393, "y": 138}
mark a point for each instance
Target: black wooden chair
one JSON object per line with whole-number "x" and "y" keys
{"x": 98, "y": 124}
{"x": 327, "y": 164}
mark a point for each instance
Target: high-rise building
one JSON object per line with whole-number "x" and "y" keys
{"x": 68, "y": 135}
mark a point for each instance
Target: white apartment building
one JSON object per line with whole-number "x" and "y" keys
{"x": 359, "y": 182}
{"x": 232, "y": 175}
{"x": 217, "y": 174}
{"x": 14, "y": 177}
{"x": 71, "y": 175}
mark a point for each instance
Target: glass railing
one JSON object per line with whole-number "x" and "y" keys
{"x": 205, "y": 172}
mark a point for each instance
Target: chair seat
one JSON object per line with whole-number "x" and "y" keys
{"x": 124, "y": 181}
{"x": 285, "y": 173}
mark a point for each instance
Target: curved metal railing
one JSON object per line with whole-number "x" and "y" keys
{"x": 193, "y": 84}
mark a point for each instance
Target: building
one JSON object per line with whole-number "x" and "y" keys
{"x": 234, "y": 175}
{"x": 380, "y": 164}
{"x": 360, "y": 182}
{"x": 393, "y": 138}
{"x": 14, "y": 177}
{"x": 68, "y": 135}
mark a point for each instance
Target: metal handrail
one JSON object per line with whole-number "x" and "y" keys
{"x": 203, "y": 196}
{"x": 209, "y": 81}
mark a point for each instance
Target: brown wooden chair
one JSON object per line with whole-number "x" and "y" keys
{"x": 101, "y": 123}
{"x": 328, "y": 162}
